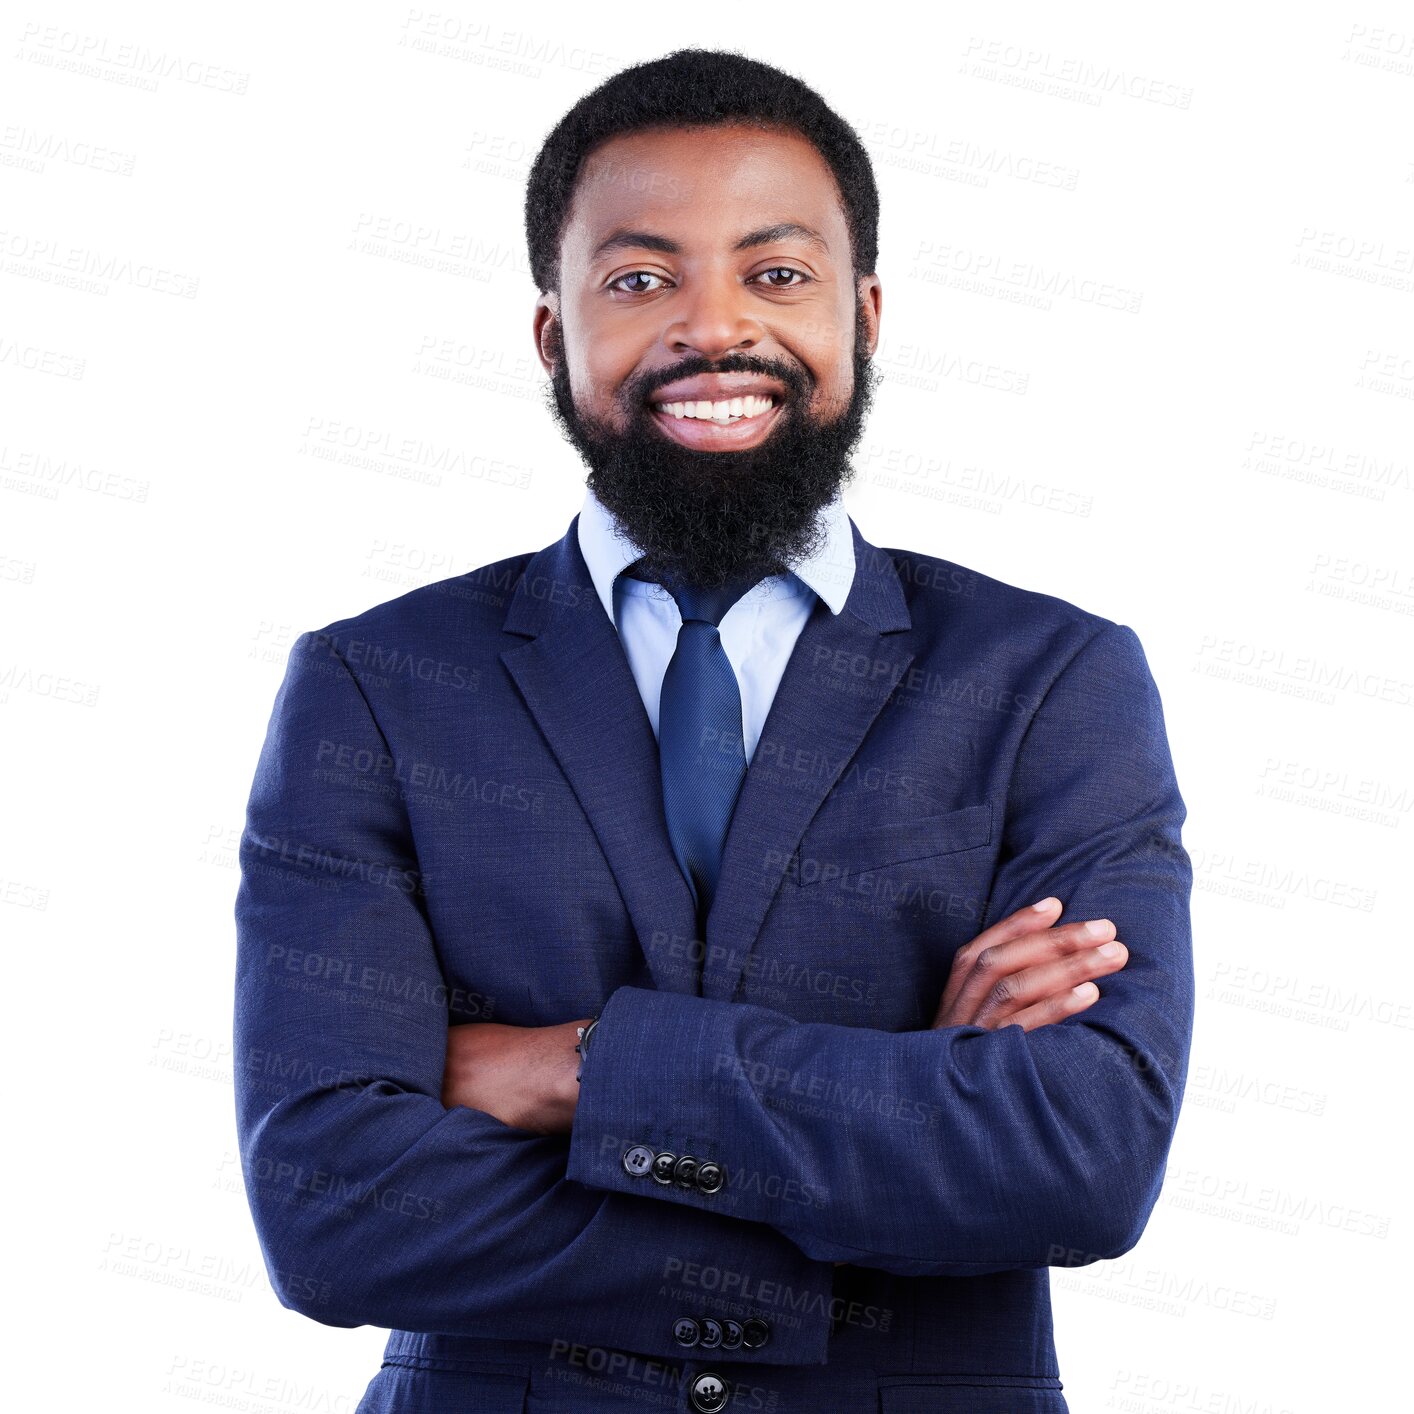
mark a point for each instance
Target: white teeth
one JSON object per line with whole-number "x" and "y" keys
{"x": 727, "y": 410}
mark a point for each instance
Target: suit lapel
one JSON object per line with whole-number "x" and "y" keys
{"x": 577, "y": 683}
{"x": 841, "y": 672}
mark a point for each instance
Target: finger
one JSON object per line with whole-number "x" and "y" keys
{"x": 1019, "y": 990}
{"x": 1014, "y": 925}
{"x": 1055, "y": 1008}
{"x": 994, "y": 963}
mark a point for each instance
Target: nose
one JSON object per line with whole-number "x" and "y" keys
{"x": 713, "y": 315}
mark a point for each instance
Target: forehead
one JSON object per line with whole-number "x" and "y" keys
{"x": 701, "y": 186}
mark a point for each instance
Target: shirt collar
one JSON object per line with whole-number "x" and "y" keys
{"x": 607, "y": 550}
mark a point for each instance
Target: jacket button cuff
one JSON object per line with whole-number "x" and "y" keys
{"x": 755, "y": 1333}
{"x": 637, "y": 1160}
{"x": 710, "y": 1176}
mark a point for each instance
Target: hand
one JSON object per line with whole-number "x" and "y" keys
{"x": 522, "y": 1075}
{"x": 1022, "y": 971}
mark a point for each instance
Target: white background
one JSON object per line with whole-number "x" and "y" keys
{"x": 245, "y": 304}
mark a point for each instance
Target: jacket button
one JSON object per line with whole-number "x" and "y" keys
{"x": 637, "y": 1160}
{"x": 755, "y": 1333}
{"x": 707, "y": 1393}
{"x": 686, "y": 1331}
{"x": 711, "y": 1333}
{"x": 709, "y": 1177}
{"x": 663, "y": 1166}
{"x": 685, "y": 1171}
{"x": 731, "y": 1335}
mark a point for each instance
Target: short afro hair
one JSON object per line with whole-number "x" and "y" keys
{"x": 693, "y": 88}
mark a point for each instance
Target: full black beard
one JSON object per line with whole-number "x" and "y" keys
{"x": 713, "y": 518}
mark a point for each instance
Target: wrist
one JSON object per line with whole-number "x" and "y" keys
{"x": 585, "y": 1033}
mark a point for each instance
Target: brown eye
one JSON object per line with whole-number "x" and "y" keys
{"x": 634, "y": 275}
{"x": 785, "y": 270}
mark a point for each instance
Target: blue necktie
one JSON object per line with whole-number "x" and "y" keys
{"x": 700, "y": 739}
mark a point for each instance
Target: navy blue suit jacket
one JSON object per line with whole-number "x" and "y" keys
{"x": 457, "y": 816}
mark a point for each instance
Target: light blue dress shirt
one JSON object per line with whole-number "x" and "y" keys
{"x": 758, "y": 631}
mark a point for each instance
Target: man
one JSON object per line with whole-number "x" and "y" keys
{"x": 667, "y": 961}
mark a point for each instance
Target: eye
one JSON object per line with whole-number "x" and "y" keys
{"x": 784, "y": 270}
{"x": 634, "y": 275}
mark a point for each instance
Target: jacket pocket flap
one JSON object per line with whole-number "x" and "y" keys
{"x": 831, "y": 848}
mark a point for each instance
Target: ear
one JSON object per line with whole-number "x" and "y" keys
{"x": 871, "y": 299}
{"x": 549, "y": 339}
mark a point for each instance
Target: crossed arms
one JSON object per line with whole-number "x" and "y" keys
{"x": 1045, "y": 1143}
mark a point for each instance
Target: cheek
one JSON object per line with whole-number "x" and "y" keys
{"x": 597, "y": 375}
{"x": 831, "y": 396}
{"x": 829, "y": 355}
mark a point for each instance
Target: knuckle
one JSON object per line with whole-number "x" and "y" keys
{"x": 1002, "y": 993}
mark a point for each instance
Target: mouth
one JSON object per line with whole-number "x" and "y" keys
{"x": 724, "y": 424}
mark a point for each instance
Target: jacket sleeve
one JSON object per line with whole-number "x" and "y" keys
{"x": 373, "y": 1202}
{"x": 961, "y": 1150}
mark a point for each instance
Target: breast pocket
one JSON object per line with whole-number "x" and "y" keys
{"x": 846, "y": 842}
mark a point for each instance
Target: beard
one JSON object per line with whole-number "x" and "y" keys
{"x": 713, "y": 518}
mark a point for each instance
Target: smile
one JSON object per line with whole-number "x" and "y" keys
{"x": 726, "y": 423}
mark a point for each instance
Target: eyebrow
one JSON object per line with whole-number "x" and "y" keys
{"x": 766, "y": 235}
